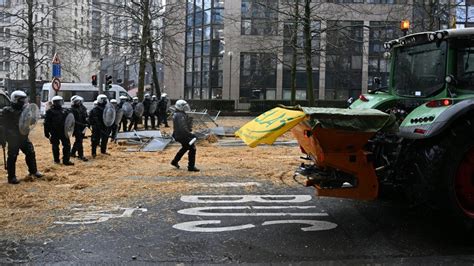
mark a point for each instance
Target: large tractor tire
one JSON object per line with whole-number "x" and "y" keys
{"x": 440, "y": 173}
{"x": 457, "y": 173}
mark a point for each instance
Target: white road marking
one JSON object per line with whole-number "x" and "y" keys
{"x": 193, "y": 226}
{"x": 246, "y": 198}
{"x": 205, "y": 211}
{"x": 231, "y": 184}
{"x": 93, "y": 215}
{"x": 315, "y": 225}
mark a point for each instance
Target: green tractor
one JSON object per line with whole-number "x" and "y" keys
{"x": 431, "y": 94}
{"x": 414, "y": 136}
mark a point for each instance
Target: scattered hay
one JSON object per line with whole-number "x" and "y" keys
{"x": 79, "y": 186}
{"x": 105, "y": 179}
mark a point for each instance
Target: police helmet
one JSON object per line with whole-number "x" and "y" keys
{"x": 18, "y": 96}
{"x": 57, "y": 100}
{"x": 182, "y": 105}
{"x": 102, "y": 99}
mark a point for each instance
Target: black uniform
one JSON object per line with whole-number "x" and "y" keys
{"x": 147, "y": 114}
{"x": 54, "y": 131}
{"x": 134, "y": 119}
{"x": 16, "y": 142}
{"x": 80, "y": 116}
{"x": 182, "y": 134}
{"x": 123, "y": 122}
{"x": 114, "y": 127}
{"x": 100, "y": 132}
{"x": 162, "y": 111}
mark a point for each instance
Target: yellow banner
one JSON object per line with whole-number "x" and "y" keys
{"x": 267, "y": 127}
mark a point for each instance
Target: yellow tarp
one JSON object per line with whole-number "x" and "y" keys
{"x": 267, "y": 127}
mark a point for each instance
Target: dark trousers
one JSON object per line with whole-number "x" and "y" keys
{"x": 133, "y": 123}
{"x": 14, "y": 147}
{"x": 78, "y": 144}
{"x": 113, "y": 131}
{"x": 123, "y": 123}
{"x": 191, "y": 155}
{"x": 163, "y": 118}
{"x": 66, "y": 147}
{"x": 152, "y": 117}
{"x": 99, "y": 137}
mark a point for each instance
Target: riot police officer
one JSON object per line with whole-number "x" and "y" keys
{"x": 146, "y": 113}
{"x": 135, "y": 118}
{"x": 54, "y": 121}
{"x": 182, "y": 133}
{"x": 123, "y": 122}
{"x": 114, "y": 127}
{"x": 80, "y": 116}
{"x": 100, "y": 132}
{"x": 163, "y": 109}
{"x": 154, "y": 121}
{"x": 16, "y": 141}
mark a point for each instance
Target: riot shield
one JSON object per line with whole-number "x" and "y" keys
{"x": 69, "y": 125}
{"x": 109, "y": 115}
{"x": 127, "y": 109}
{"x": 139, "y": 109}
{"x": 28, "y": 118}
{"x": 153, "y": 106}
{"x": 118, "y": 116}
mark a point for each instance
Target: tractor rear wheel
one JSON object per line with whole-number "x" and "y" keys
{"x": 456, "y": 175}
{"x": 440, "y": 171}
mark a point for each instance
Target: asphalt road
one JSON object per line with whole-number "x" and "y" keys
{"x": 247, "y": 223}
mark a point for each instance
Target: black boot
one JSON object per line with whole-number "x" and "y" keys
{"x": 193, "y": 169}
{"x": 13, "y": 180}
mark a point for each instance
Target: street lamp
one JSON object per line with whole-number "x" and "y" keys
{"x": 230, "y": 54}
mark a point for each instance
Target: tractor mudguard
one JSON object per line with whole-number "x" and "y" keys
{"x": 442, "y": 121}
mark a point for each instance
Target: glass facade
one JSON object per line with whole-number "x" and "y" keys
{"x": 259, "y": 17}
{"x": 344, "y": 64}
{"x": 204, "y": 49}
{"x": 380, "y": 32}
{"x": 258, "y": 73}
{"x": 464, "y": 14}
{"x": 301, "y": 77}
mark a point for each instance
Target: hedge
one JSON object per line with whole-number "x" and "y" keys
{"x": 261, "y": 106}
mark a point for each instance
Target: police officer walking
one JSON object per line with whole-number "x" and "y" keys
{"x": 154, "y": 121}
{"x": 100, "y": 132}
{"x": 163, "y": 109}
{"x": 80, "y": 116}
{"x": 16, "y": 141}
{"x": 182, "y": 134}
{"x": 54, "y": 130}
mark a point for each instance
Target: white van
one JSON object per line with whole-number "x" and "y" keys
{"x": 85, "y": 90}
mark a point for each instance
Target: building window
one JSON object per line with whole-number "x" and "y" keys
{"x": 259, "y": 17}
{"x": 204, "y": 50}
{"x": 257, "y": 76}
{"x": 344, "y": 59}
